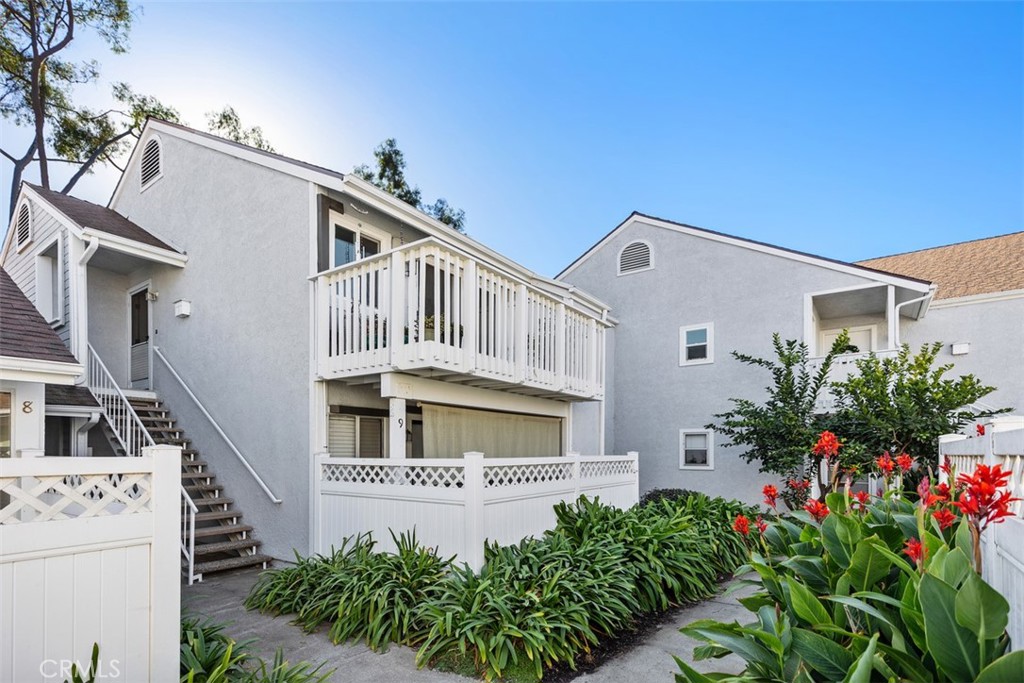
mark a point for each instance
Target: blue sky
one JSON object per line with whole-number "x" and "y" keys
{"x": 850, "y": 130}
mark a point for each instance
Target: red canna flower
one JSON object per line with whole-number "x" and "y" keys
{"x": 925, "y": 495}
{"x": 981, "y": 500}
{"x": 914, "y": 550}
{"x": 762, "y": 526}
{"x": 827, "y": 446}
{"x": 947, "y": 466}
{"x": 771, "y": 493}
{"x": 945, "y": 517}
{"x": 980, "y": 429}
{"x": 904, "y": 461}
{"x": 799, "y": 485}
{"x": 817, "y": 509}
{"x": 741, "y": 525}
{"x": 885, "y": 464}
{"x": 942, "y": 492}
{"x": 860, "y": 500}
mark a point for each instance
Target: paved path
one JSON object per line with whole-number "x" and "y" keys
{"x": 220, "y": 598}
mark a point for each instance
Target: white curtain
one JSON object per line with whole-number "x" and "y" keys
{"x": 449, "y": 432}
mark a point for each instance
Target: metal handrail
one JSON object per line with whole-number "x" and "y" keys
{"x": 227, "y": 440}
{"x": 188, "y": 536}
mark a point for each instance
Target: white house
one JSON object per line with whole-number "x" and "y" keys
{"x": 685, "y": 297}
{"x": 265, "y": 314}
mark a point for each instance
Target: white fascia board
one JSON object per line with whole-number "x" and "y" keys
{"x": 41, "y": 371}
{"x": 971, "y": 299}
{"x": 27, "y": 191}
{"x": 139, "y": 249}
{"x": 822, "y": 262}
{"x": 412, "y": 388}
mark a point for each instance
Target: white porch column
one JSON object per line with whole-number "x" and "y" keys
{"x": 891, "y": 318}
{"x": 396, "y": 428}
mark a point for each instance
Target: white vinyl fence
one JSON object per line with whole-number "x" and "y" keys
{"x": 1003, "y": 543}
{"x": 458, "y": 504}
{"x": 89, "y": 553}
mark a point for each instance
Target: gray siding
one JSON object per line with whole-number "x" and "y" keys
{"x": 747, "y": 295}
{"x": 22, "y": 265}
{"x": 245, "y": 349}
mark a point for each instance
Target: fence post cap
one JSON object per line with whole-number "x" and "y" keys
{"x": 473, "y": 455}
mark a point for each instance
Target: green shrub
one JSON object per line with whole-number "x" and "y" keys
{"x": 839, "y": 600}
{"x": 655, "y": 495}
{"x": 209, "y": 654}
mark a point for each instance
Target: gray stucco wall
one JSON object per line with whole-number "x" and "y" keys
{"x": 245, "y": 349}
{"x": 107, "y": 295}
{"x": 747, "y": 295}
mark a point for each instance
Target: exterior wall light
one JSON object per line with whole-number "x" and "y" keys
{"x": 960, "y": 348}
{"x": 182, "y": 308}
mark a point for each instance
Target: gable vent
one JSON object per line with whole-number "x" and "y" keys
{"x": 23, "y": 228}
{"x": 635, "y": 256}
{"x": 150, "y": 168}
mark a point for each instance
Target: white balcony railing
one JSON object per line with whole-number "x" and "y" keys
{"x": 428, "y": 305}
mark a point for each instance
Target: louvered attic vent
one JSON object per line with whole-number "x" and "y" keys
{"x": 150, "y": 168}
{"x": 23, "y": 229}
{"x": 635, "y": 256}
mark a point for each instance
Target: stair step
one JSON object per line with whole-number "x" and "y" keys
{"x": 227, "y": 546}
{"x": 160, "y": 420}
{"x": 171, "y": 442}
{"x": 185, "y": 462}
{"x": 196, "y": 475}
{"x": 226, "y": 530}
{"x": 201, "y": 488}
{"x": 232, "y": 563}
{"x": 217, "y": 515}
{"x": 207, "y": 502}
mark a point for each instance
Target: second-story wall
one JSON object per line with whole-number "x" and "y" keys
{"x": 746, "y": 295}
{"x": 244, "y": 350}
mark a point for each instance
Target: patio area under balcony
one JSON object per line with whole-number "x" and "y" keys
{"x": 431, "y": 310}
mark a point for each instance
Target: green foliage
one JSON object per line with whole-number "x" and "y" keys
{"x": 841, "y": 601}
{"x": 903, "y": 404}
{"x": 389, "y": 175}
{"x": 90, "y": 675}
{"x": 780, "y": 432}
{"x": 655, "y": 495}
{"x": 228, "y": 124}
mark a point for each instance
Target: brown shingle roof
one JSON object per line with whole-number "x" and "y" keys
{"x": 23, "y": 332}
{"x": 69, "y": 395}
{"x": 984, "y": 266}
{"x": 89, "y": 215}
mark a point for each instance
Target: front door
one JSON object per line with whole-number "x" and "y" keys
{"x": 138, "y": 363}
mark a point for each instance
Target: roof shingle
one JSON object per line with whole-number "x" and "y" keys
{"x": 89, "y": 215}
{"x": 985, "y": 266}
{"x": 23, "y": 332}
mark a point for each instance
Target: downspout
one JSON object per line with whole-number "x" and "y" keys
{"x": 81, "y": 317}
{"x": 896, "y": 313}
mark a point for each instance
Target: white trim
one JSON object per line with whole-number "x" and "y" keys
{"x": 136, "y": 248}
{"x": 710, "y": 434}
{"x": 412, "y": 388}
{"x": 359, "y": 228}
{"x": 971, "y": 299}
{"x": 710, "y": 328}
{"x": 19, "y": 246}
{"x": 143, "y": 186}
{"x": 872, "y": 328}
{"x": 849, "y": 269}
{"x": 54, "y": 313}
{"x": 650, "y": 257}
{"x": 18, "y": 369}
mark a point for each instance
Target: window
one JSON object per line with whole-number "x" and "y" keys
{"x": 696, "y": 344}
{"x": 5, "y": 424}
{"x": 352, "y": 241}
{"x": 150, "y": 167}
{"x": 696, "y": 450}
{"x": 635, "y": 257}
{"x": 49, "y": 284}
{"x": 23, "y": 227}
{"x": 355, "y": 436}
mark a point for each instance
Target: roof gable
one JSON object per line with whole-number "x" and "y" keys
{"x": 985, "y": 266}
{"x": 763, "y": 247}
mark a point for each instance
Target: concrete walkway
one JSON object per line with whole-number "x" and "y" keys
{"x": 220, "y": 598}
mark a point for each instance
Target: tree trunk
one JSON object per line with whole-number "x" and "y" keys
{"x": 19, "y": 169}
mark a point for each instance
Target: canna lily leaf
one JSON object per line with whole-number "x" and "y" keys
{"x": 1007, "y": 668}
{"x": 981, "y": 608}
{"x": 825, "y": 656}
{"x": 954, "y": 647}
{"x": 861, "y": 671}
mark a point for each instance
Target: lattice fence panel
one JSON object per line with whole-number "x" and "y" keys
{"x": 605, "y": 468}
{"x": 54, "y": 497}
{"x": 516, "y": 475}
{"x": 428, "y": 477}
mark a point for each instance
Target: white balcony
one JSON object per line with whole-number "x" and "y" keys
{"x": 428, "y": 308}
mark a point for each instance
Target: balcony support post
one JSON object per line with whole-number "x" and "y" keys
{"x": 891, "y": 317}
{"x": 470, "y": 315}
{"x": 522, "y": 330}
{"x": 396, "y": 427}
{"x": 396, "y": 321}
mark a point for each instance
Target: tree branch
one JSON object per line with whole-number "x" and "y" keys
{"x": 96, "y": 154}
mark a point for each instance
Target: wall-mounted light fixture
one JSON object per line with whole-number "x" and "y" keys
{"x": 152, "y": 296}
{"x": 960, "y": 348}
{"x": 182, "y": 308}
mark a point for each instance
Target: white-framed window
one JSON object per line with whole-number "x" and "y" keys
{"x": 351, "y": 240}
{"x": 50, "y": 283}
{"x": 864, "y": 338}
{"x": 356, "y": 436}
{"x": 151, "y": 165}
{"x": 636, "y": 257}
{"x": 696, "y": 449}
{"x": 23, "y": 226}
{"x": 697, "y": 344}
